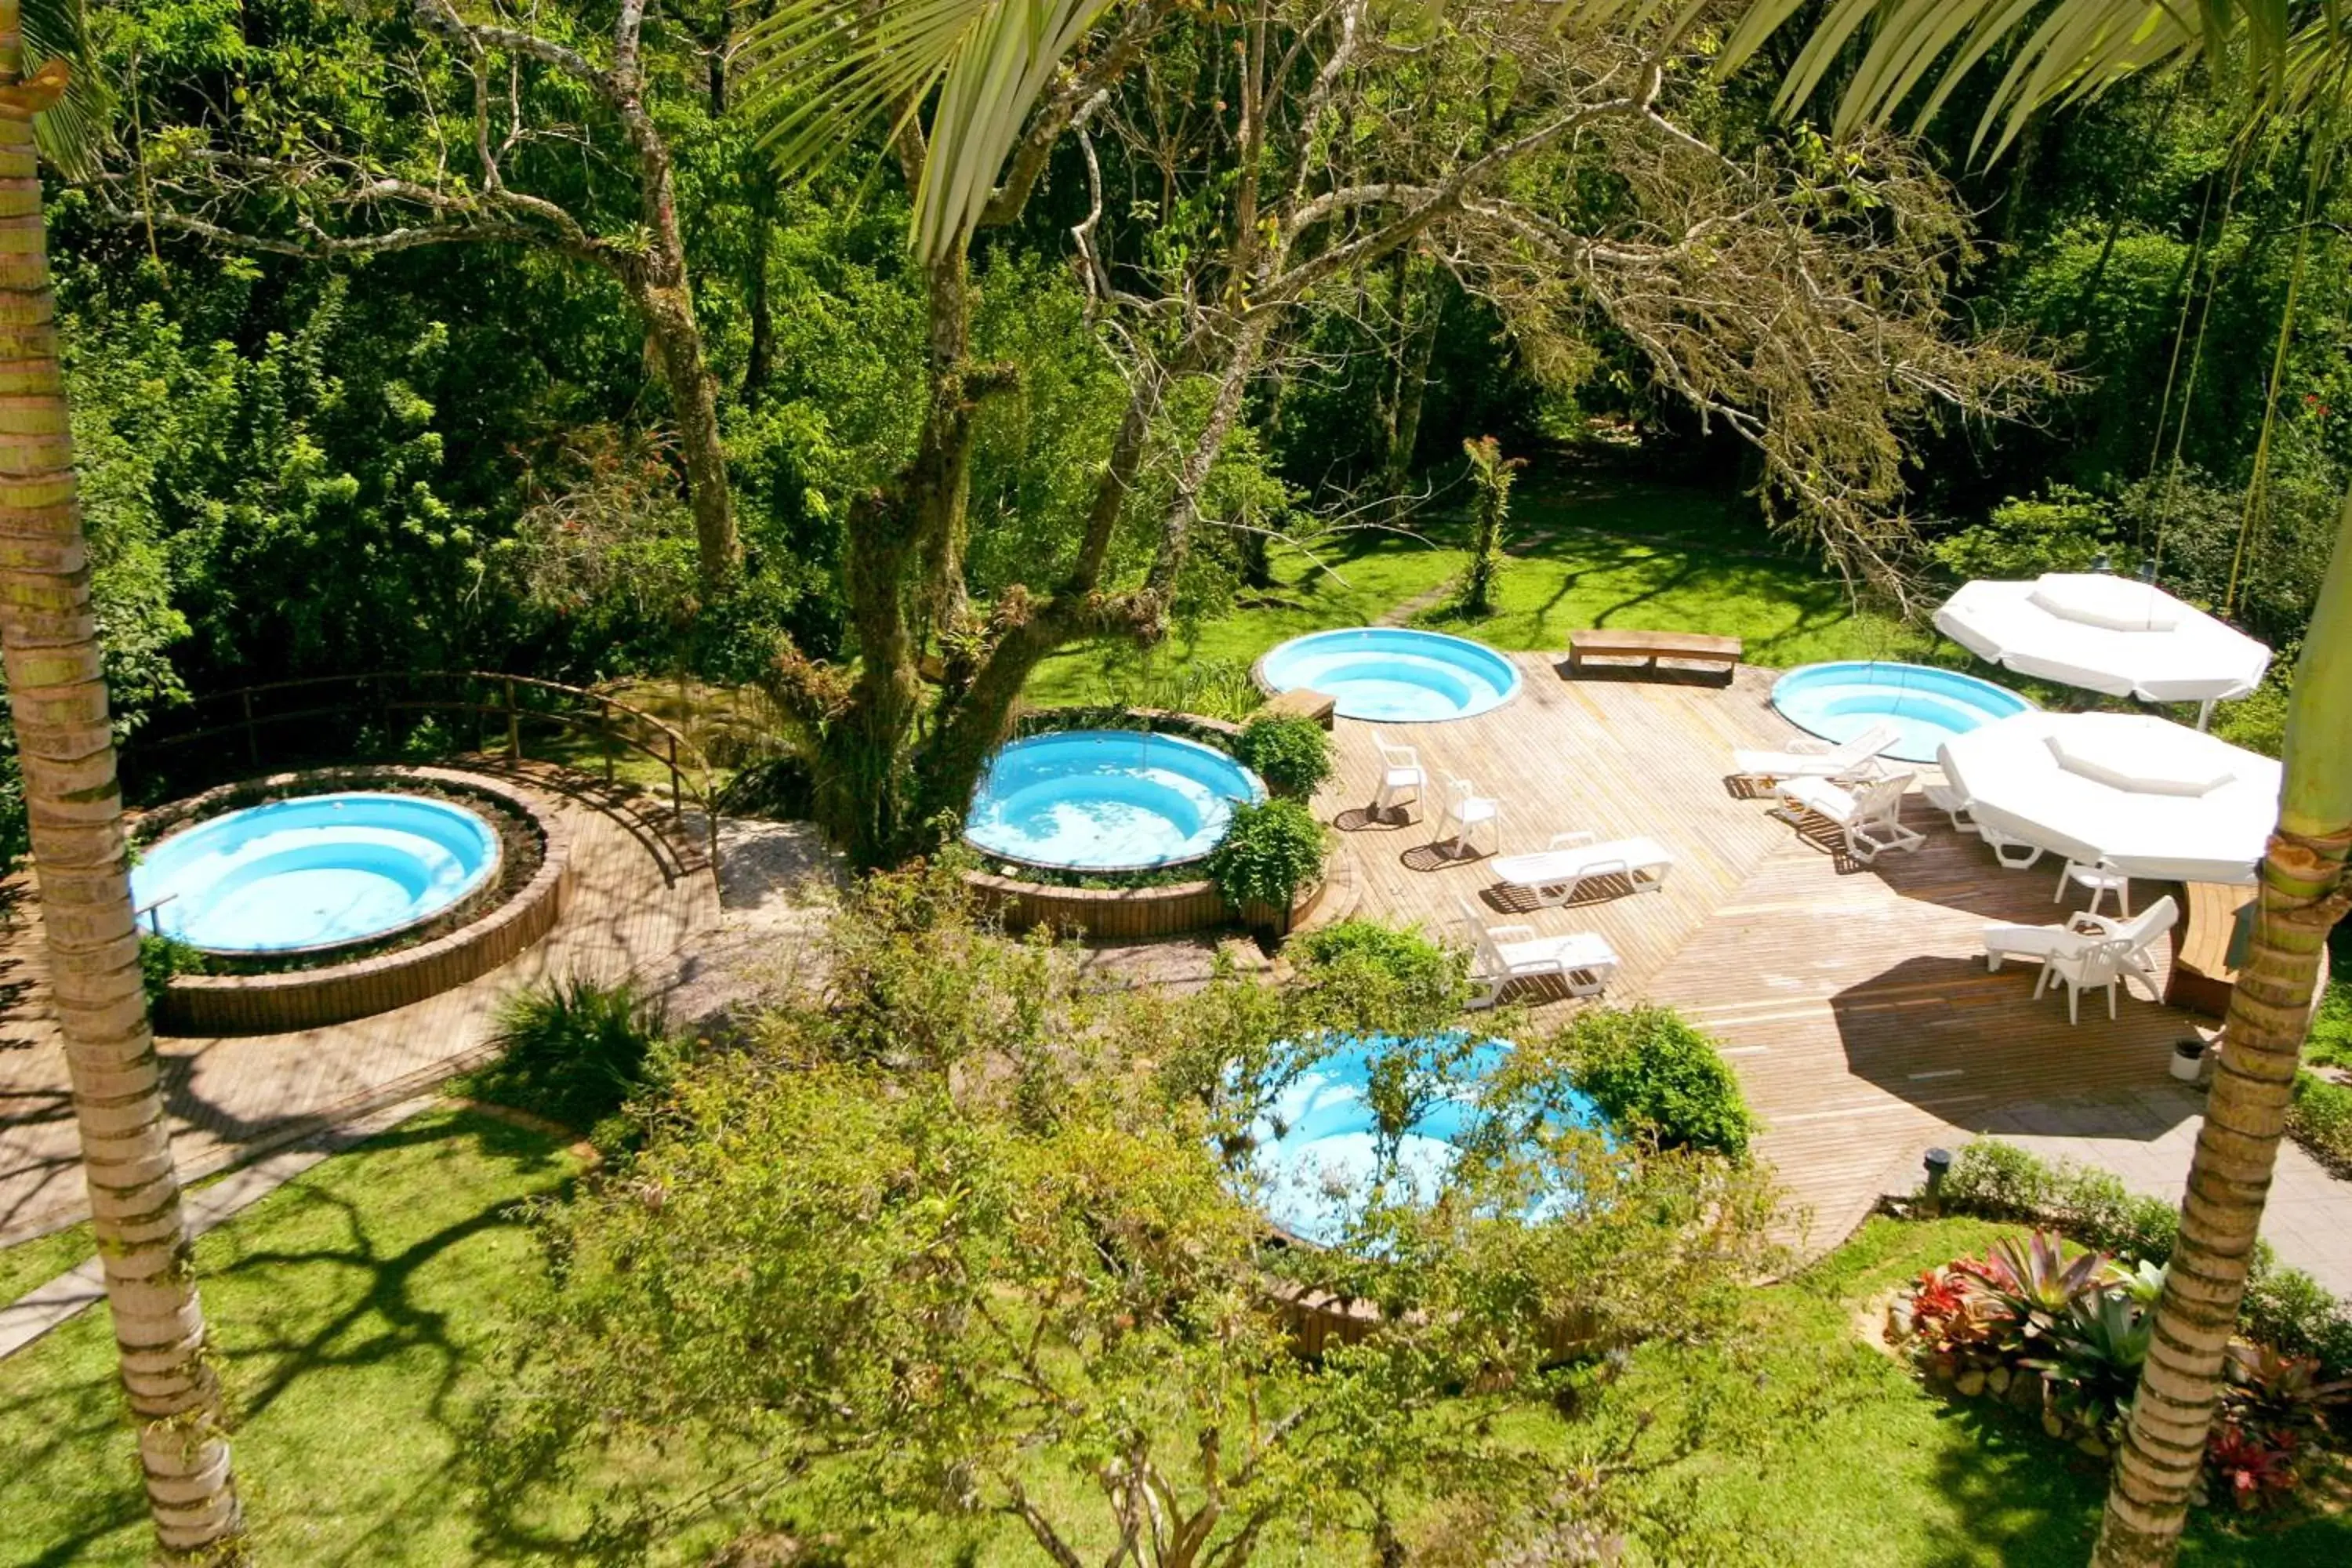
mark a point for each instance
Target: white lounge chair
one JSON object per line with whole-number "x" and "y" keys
{"x": 1469, "y": 811}
{"x": 1553, "y": 875}
{"x": 1952, "y": 803}
{"x": 2014, "y": 854}
{"x": 1869, "y": 816}
{"x": 1504, "y": 954}
{"x": 2101, "y": 878}
{"x": 1857, "y": 758}
{"x": 1401, "y": 771}
{"x": 2087, "y": 950}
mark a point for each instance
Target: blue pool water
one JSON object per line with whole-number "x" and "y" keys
{"x": 1393, "y": 674}
{"x": 1313, "y": 1153}
{"x": 317, "y": 871}
{"x": 1106, "y": 800}
{"x": 1929, "y": 706}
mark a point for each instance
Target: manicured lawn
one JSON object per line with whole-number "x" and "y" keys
{"x": 352, "y": 1306}
{"x": 1593, "y": 553}
{"x": 34, "y": 1263}
{"x": 1842, "y": 1458}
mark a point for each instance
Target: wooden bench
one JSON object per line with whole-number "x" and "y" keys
{"x": 1649, "y": 648}
{"x": 1302, "y": 702}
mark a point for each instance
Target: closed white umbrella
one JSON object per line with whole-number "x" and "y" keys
{"x": 2152, "y": 798}
{"x": 2113, "y": 635}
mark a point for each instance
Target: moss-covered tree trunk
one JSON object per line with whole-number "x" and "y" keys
{"x": 2230, "y": 1177}
{"x": 57, "y": 695}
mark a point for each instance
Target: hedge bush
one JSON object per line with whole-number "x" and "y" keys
{"x": 1292, "y": 754}
{"x": 1655, "y": 1072}
{"x": 1269, "y": 852}
{"x": 2320, "y": 1119}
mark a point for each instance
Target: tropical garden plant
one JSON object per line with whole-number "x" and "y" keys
{"x": 1271, "y": 851}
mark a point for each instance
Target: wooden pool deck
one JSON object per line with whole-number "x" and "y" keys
{"x": 1853, "y": 1000}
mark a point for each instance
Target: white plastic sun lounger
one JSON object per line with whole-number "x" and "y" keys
{"x": 1504, "y": 954}
{"x": 2128, "y": 943}
{"x": 1553, "y": 875}
{"x": 1869, "y": 816}
{"x": 1813, "y": 760}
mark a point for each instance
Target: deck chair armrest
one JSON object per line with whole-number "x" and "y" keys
{"x": 2089, "y": 924}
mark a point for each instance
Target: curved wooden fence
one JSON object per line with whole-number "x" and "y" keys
{"x": 331, "y": 717}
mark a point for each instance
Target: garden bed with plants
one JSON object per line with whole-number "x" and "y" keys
{"x": 2058, "y": 1328}
{"x": 1267, "y": 872}
{"x": 202, "y": 993}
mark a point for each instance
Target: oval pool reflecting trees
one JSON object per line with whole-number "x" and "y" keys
{"x": 1394, "y": 674}
{"x": 316, "y": 872}
{"x": 1106, "y": 800}
{"x": 1929, "y": 706}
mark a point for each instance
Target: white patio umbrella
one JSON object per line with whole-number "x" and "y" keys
{"x": 2152, "y": 798}
{"x": 2114, "y": 635}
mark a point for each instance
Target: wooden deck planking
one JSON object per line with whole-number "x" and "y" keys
{"x": 1852, "y": 1001}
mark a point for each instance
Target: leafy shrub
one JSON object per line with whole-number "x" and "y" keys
{"x": 1652, "y": 1072}
{"x": 160, "y": 959}
{"x": 2064, "y": 530}
{"x": 2290, "y": 1310}
{"x": 574, "y": 1052}
{"x": 1292, "y": 754}
{"x": 2002, "y": 1180}
{"x": 2321, "y": 1121}
{"x": 1269, "y": 852}
{"x": 1362, "y": 976}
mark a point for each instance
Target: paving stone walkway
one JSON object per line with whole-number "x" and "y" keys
{"x": 633, "y": 904}
{"x": 2147, "y": 1136}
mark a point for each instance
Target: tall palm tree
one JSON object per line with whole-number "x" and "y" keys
{"x": 57, "y": 695}
{"x": 830, "y": 67}
{"x": 2285, "y": 59}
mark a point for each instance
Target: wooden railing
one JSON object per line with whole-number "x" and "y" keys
{"x": 259, "y": 716}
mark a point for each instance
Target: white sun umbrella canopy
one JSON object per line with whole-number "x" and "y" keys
{"x": 2114, "y": 635}
{"x": 2150, "y": 797}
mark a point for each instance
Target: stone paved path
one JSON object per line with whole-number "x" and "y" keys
{"x": 2145, "y": 1136}
{"x": 633, "y": 905}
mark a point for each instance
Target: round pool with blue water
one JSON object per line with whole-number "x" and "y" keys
{"x": 1106, "y": 800}
{"x": 317, "y": 871}
{"x": 1928, "y": 706}
{"x": 1315, "y": 1159}
{"x": 1393, "y": 674}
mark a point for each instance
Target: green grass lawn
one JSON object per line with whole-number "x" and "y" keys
{"x": 355, "y": 1308}
{"x": 1589, "y": 553}
{"x": 351, "y": 1307}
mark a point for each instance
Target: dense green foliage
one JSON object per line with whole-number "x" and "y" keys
{"x": 1652, "y": 1072}
{"x": 1361, "y": 965}
{"x": 964, "y": 1257}
{"x": 1271, "y": 851}
{"x": 1292, "y": 755}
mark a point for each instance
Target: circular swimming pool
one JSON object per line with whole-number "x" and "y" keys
{"x": 1394, "y": 674}
{"x": 1315, "y": 1158}
{"x": 1106, "y": 800}
{"x": 317, "y": 872}
{"x": 1928, "y": 706}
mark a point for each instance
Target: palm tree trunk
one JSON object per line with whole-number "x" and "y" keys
{"x": 57, "y": 695}
{"x": 2230, "y": 1177}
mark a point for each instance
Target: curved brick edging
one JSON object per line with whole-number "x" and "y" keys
{"x": 1170, "y": 910}
{"x": 334, "y": 994}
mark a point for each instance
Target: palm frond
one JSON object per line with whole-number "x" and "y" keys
{"x": 823, "y": 72}
{"x": 2055, "y": 54}
{"x": 69, "y": 130}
